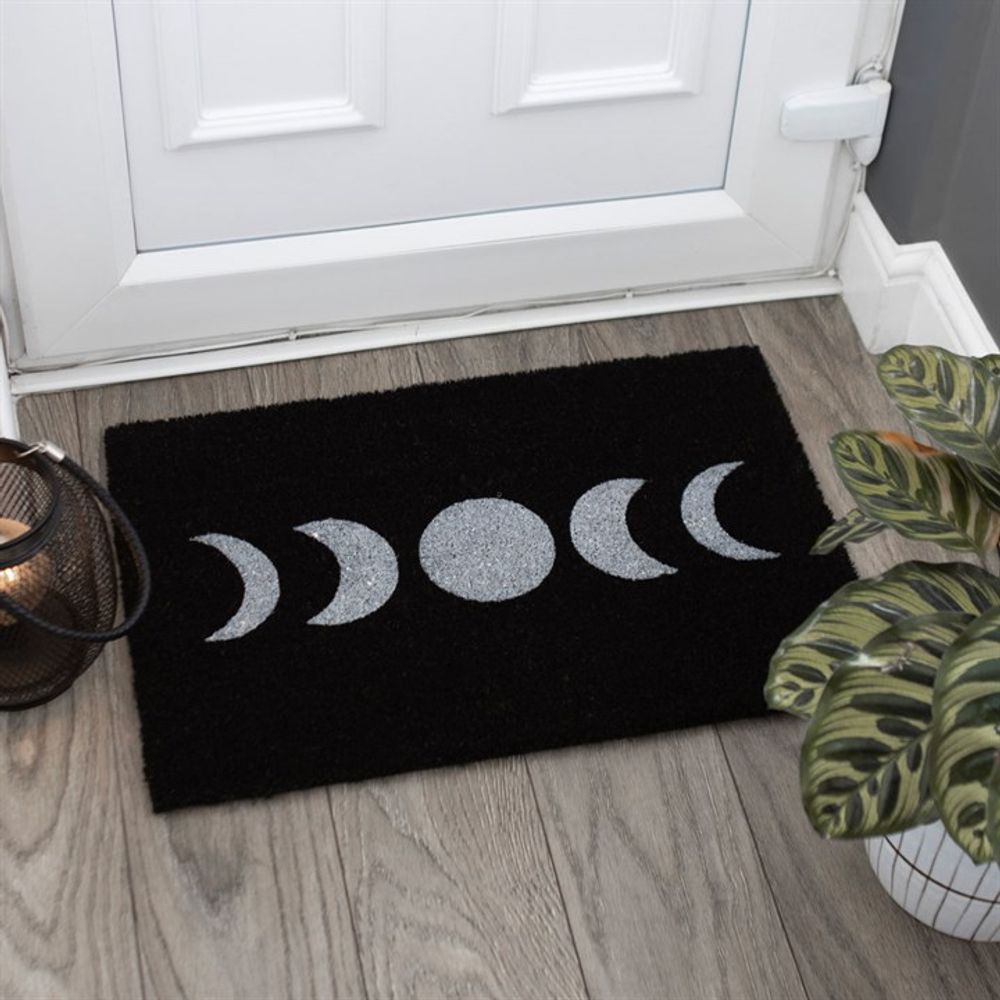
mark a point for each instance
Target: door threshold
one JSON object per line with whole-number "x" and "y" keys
{"x": 296, "y": 344}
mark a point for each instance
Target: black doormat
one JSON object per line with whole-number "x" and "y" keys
{"x": 452, "y": 572}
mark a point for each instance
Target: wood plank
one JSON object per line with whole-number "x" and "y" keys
{"x": 452, "y": 888}
{"x": 66, "y": 919}
{"x": 237, "y": 900}
{"x": 330, "y": 377}
{"x": 526, "y": 350}
{"x": 849, "y": 939}
{"x": 664, "y": 891}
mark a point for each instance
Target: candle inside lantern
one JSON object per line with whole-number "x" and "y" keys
{"x": 26, "y": 582}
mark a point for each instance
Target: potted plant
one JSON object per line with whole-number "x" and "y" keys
{"x": 899, "y": 676}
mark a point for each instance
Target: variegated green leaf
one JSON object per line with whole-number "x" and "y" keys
{"x": 987, "y": 479}
{"x": 987, "y": 482}
{"x": 993, "y": 808}
{"x": 992, "y": 362}
{"x": 863, "y": 766}
{"x": 965, "y": 737}
{"x": 955, "y": 399}
{"x": 920, "y": 492}
{"x": 840, "y": 627}
{"x": 852, "y": 527}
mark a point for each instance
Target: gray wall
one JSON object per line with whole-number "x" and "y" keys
{"x": 938, "y": 174}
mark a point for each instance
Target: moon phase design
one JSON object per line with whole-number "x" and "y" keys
{"x": 261, "y": 589}
{"x": 484, "y": 550}
{"x": 600, "y": 532}
{"x": 369, "y": 571}
{"x": 700, "y": 519}
{"x": 487, "y": 550}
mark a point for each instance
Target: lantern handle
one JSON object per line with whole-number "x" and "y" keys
{"x": 53, "y": 453}
{"x": 46, "y": 448}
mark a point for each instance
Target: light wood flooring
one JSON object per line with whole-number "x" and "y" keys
{"x": 674, "y": 867}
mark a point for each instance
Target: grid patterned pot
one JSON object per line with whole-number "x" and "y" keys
{"x": 934, "y": 880}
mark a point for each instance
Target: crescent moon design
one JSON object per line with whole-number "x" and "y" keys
{"x": 700, "y": 519}
{"x": 369, "y": 570}
{"x": 600, "y": 532}
{"x": 260, "y": 585}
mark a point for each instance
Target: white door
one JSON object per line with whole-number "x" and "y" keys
{"x": 191, "y": 172}
{"x": 246, "y": 120}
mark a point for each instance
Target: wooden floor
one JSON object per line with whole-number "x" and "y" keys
{"x": 678, "y": 866}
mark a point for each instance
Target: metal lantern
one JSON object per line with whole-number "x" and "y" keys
{"x": 58, "y": 572}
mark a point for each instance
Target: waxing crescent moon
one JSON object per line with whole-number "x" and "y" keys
{"x": 700, "y": 519}
{"x": 260, "y": 585}
{"x": 369, "y": 570}
{"x": 600, "y": 532}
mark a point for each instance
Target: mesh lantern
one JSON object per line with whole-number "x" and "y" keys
{"x": 58, "y": 572}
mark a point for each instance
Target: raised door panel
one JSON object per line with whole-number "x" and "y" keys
{"x": 550, "y": 52}
{"x": 246, "y": 121}
{"x": 292, "y": 68}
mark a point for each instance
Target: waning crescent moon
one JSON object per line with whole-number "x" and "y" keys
{"x": 700, "y": 519}
{"x": 600, "y": 532}
{"x": 260, "y": 585}
{"x": 369, "y": 571}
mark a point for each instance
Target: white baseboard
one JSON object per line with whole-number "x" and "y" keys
{"x": 8, "y": 412}
{"x": 417, "y": 331}
{"x": 905, "y": 293}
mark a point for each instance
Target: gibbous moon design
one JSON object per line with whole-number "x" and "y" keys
{"x": 261, "y": 589}
{"x": 700, "y": 519}
{"x": 369, "y": 571}
{"x": 487, "y": 550}
{"x": 600, "y": 533}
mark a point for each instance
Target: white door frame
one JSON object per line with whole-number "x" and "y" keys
{"x": 86, "y": 293}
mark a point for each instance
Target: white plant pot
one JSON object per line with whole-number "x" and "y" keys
{"x": 934, "y": 880}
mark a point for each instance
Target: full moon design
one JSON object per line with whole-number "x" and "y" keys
{"x": 487, "y": 550}
{"x": 369, "y": 571}
{"x": 700, "y": 519}
{"x": 600, "y": 532}
{"x": 261, "y": 589}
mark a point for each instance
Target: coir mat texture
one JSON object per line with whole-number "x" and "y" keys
{"x": 374, "y": 584}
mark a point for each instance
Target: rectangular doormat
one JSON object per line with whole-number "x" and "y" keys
{"x": 357, "y": 587}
